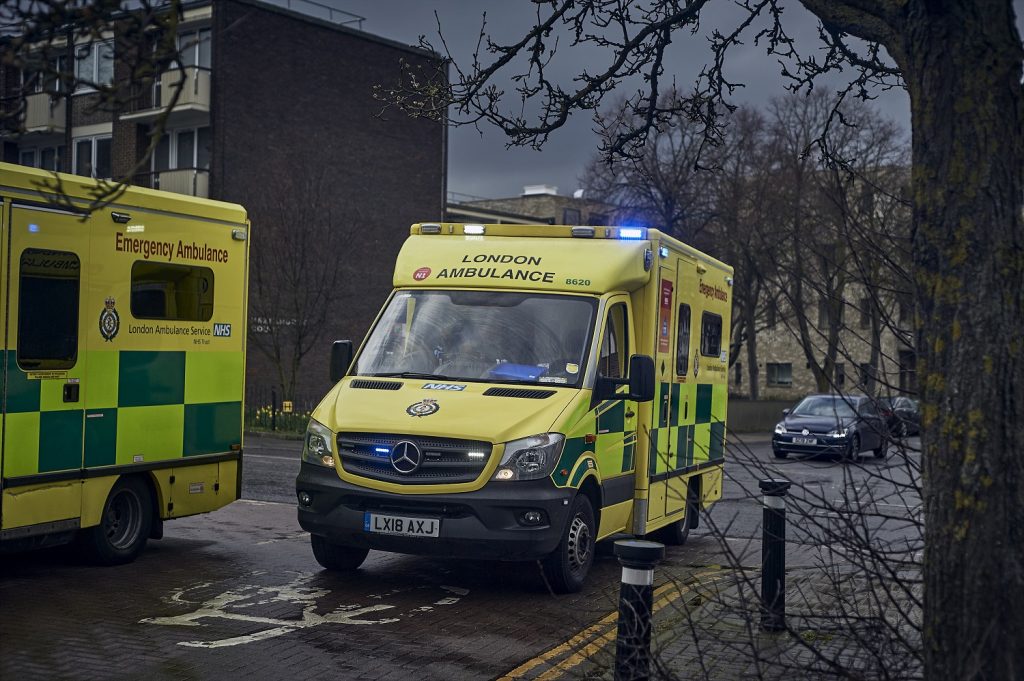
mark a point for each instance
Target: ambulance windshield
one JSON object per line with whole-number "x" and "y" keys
{"x": 487, "y": 336}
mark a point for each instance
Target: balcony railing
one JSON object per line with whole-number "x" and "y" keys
{"x": 191, "y": 181}
{"x": 195, "y": 91}
{"x": 44, "y": 112}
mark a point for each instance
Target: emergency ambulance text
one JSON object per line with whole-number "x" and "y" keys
{"x": 149, "y": 248}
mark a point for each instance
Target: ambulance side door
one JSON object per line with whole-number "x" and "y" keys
{"x": 616, "y": 419}
{"x": 44, "y": 390}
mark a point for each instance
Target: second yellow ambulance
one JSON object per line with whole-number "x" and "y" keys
{"x": 525, "y": 392}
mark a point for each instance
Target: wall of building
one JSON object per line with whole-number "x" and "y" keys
{"x": 293, "y": 94}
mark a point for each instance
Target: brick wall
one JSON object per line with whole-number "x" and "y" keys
{"x": 292, "y": 94}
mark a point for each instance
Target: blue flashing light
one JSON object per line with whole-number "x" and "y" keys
{"x": 631, "y": 233}
{"x": 382, "y": 450}
{"x": 33, "y": 228}
{"x": 663, "y": 252}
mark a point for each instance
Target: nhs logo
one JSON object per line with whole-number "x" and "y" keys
{"x": 443, "y": 386}
{"x": 223, "y": 330}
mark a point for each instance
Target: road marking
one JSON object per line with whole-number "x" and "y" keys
{"x": 295, "y": 592}
{"x": 598, "y": 635}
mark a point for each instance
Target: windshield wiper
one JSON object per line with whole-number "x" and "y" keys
{"x": 413, "y": 374}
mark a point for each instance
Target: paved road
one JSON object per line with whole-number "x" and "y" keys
{"x": 237, "y": 593}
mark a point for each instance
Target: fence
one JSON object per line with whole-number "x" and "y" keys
{"x": 266, "y": 410}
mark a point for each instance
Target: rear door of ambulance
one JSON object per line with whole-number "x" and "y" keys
{"x": 45, "y": 382}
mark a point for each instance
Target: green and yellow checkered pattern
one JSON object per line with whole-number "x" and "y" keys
{"x": 135, "y": 407}
{"x": 689, "y": 427}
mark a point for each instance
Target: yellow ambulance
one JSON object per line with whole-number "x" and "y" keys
{"x": 124, "y": 348}
{"x": 525, "y": 392}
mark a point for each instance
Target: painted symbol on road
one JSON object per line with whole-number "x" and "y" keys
{"x": 243, "y": 604}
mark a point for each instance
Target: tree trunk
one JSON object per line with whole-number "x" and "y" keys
{"x": 963, "y": 70}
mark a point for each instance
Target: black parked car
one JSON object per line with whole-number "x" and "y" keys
{"x": 902, "y": 415}
{"x": 832, "y": 424}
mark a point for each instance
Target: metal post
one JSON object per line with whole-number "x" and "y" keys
{"x": 773, "y": 555}
{"x": 273, "y": 409}
{"x": 633, "y": 643}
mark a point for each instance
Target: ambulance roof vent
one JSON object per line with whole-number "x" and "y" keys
{"x": 375, "y": 385}
{"x": 519, "y": 392}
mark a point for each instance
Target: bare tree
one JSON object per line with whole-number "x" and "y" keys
{"x": 296, "y": 270}
{"x": 961, "y": 64}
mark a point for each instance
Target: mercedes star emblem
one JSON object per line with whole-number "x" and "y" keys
{"x": 405, "y": 457}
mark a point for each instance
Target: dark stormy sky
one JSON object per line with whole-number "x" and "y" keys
{"x": 480, "y": 165}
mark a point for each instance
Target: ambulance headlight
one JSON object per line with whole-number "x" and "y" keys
{"x": 317, "y": 448}
{"x": 530, "y": 458}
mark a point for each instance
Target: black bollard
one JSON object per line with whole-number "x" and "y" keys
{"x": 773, "y": 555}
{"x": 633, "y": 643}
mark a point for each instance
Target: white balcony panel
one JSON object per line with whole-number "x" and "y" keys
{"x": 195, "y": 91}
{"x": 185, "y": 181}
{"x": 44, "y": 113}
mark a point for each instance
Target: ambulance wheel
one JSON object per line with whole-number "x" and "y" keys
{"x": 678, "y": 532}
{"x": 124, "y": 527}
{"x": 567, "y": 567}
{"x": 337, "y": 557}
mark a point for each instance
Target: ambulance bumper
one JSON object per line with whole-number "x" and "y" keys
{"x": 489, "y": 523}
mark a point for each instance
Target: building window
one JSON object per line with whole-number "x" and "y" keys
{"x": 92, "y": 157}
{"x": 737, "y": 374}
{"x": 94, "y": 64}
{"x": 570, "y": 216}
{"x": 48, "y": 293}
{"x": 908, "y": 371}
{"x": 174, "y": 292}
{"x": 780, "y": 375}
{"x": 194, "y": 47}
{"x": 840, "y": 375}
{"x": 773, "y": 315}
{"x": 867, "y": 376}
{"x": 710, "y": 335}
{"x": 44, "y": 75}
{"x": 178, "y": 149}
{"x": 598, "y": 219}
{"x": 683, "y": 340}
{"x": 865, "y": 313}
{"x": 47, "y": 158}
{"x": 906, "y": 310}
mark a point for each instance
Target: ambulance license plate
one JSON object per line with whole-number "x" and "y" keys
{"x": 401, "y": 525}
{"x": 805, "y": 441}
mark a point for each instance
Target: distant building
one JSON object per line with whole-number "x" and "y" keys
{"x": 274, "y": 101}
{"x": 539, "y": 203}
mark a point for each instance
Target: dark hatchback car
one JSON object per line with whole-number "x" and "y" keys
{"x": 832, "y": 424}
{"x": 902, "y": 414}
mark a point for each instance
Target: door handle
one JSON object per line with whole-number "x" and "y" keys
{"x": 630, "y": 414}
{"x": 71, "y": 392}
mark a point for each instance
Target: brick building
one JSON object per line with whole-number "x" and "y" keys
{"x": 276, "y": 113}
{"x": 538, "y": 203}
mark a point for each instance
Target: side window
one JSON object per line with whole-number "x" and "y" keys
{"x": 171, "y": 292}
{"x": 683, "y": 340}
{"x": 710, "y": 335}
{"x": 614, "y": 356}
{"x": 48, "y": 291}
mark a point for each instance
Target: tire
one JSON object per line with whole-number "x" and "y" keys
{"x": 125, "y": 525}
{"x": 853, "y": 448}
{"x": 780, "y": 454}
{"x": 337, "y": 557}
{"x": 567, "y": 566}
{"x": 902, "y": 431}
{"x": 678, "y": 532}
{"x": 882, "y": 447}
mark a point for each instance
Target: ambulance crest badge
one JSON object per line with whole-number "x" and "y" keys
{"x": 423, "y": 408}
{"x": 110, "y": 322}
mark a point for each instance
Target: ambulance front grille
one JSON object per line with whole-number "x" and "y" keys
{"x": 441, "y": 460}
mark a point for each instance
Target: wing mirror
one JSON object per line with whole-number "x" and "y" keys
{"x": 341, "y": 358}
{"x": 640, "y": 382}
{"x": 785, "y": 412}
